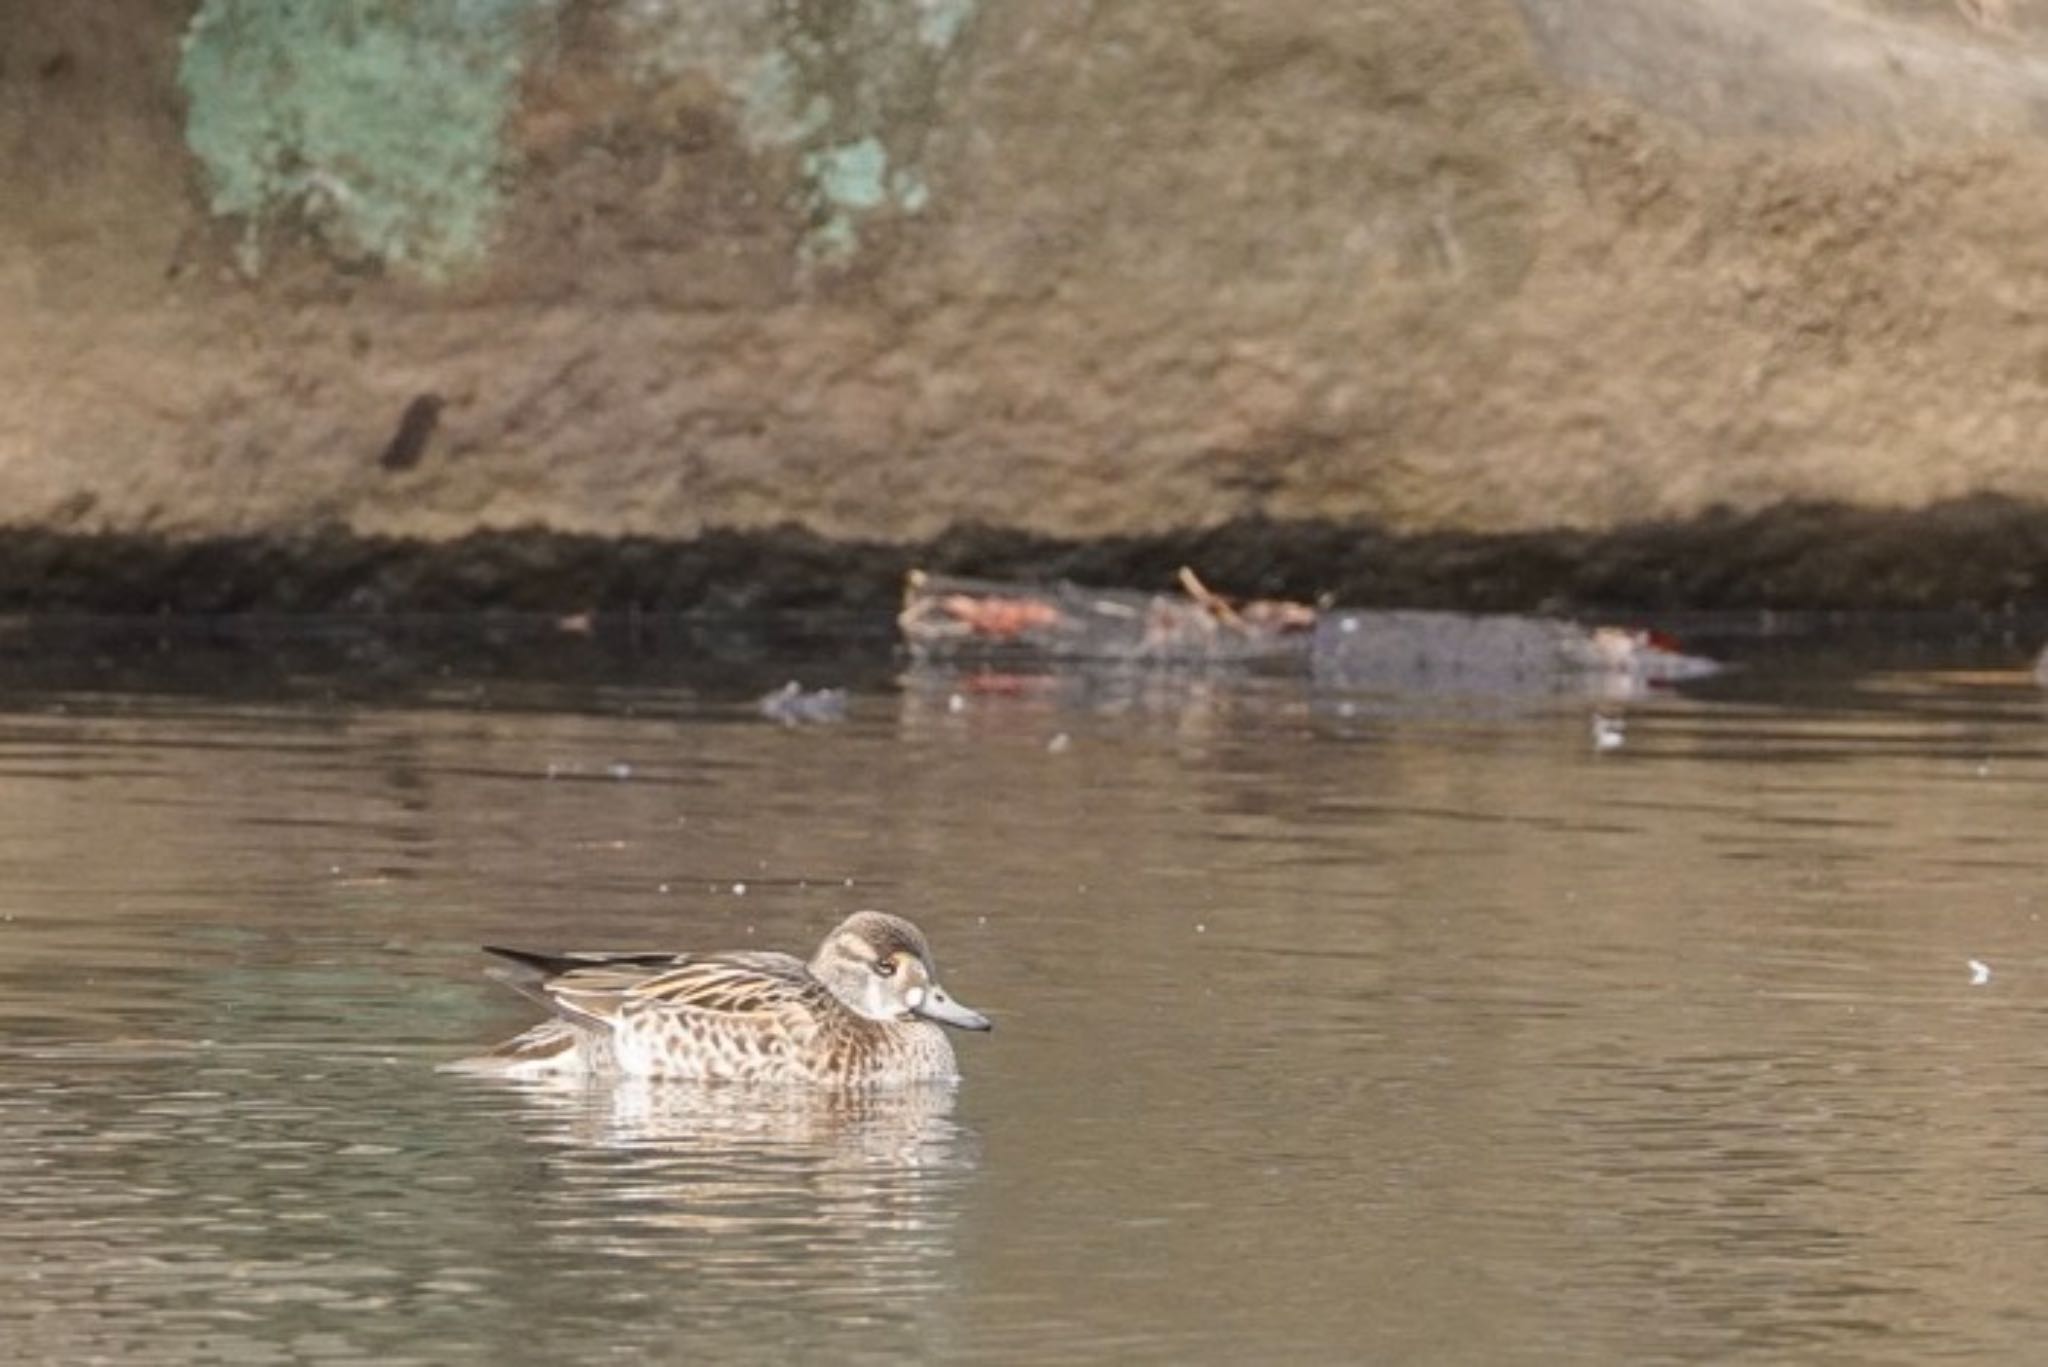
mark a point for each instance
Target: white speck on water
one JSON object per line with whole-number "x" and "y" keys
{"x": 1984, "y": 771}
{"x": 620, "y": 770}
{"x": 1201, "y": 928}
{"x": 955, "y": 703}
{"x": 1347, "y": 625}
{"x": 661, "y": 887}
{"x": 334, "y": 870}
{"x": 1059, "y": 744}
{"x": 849, "y": 882}
{"x": 1980, "y": 973}
{"x": 1609, "y": 733}
{"x": 739, "y": 889}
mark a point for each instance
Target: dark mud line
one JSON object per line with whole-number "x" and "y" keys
{"x": 1984, "y": 553}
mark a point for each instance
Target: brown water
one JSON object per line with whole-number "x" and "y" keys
{"x": 1329, "y": 1029}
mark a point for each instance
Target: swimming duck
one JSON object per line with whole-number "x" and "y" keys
{"x": 864, "y": 1012}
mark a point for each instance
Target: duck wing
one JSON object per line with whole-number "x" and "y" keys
{"x": 599, "y": 990}
{"x": 536, "y": 965}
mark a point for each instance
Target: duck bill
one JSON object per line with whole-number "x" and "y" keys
{"x": 935, "y": 1005}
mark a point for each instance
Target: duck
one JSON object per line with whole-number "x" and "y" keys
{"x": 866, "y": 1010}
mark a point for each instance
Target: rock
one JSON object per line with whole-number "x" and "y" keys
{"x": 873, "y": 272}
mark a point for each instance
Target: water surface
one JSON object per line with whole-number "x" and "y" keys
{"x": 1329, "y": 1028}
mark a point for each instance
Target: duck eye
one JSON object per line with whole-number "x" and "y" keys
{"x": 885, "y": 968}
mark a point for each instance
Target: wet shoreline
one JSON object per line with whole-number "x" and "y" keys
{"x": 1985, "y": 553}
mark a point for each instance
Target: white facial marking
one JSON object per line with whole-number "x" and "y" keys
{"x": 914, "y": 998}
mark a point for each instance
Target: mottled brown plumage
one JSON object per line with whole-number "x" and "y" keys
{"x": 860, "y": 1013}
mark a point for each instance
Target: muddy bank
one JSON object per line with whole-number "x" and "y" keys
{"x": 1985, "y": 553}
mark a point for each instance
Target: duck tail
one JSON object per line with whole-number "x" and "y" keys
{"x": 541, "y": 966}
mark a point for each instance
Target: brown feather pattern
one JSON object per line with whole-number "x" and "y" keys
{"x": 741, "y": 1016}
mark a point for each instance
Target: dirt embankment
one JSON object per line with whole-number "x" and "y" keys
{"x": 1595, "y": 299}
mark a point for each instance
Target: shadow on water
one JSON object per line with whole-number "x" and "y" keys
{"x": 460, "y": 659}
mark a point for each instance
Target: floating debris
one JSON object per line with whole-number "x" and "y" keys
{"x": 1059, "y": 744}
{"x": 793, "y": 705}
{"x": 945, "y": 616}
{"x": 1609, "y": 733}
{"x": 1453, "y": 652}
{"x": 1980, "y": 973}
{"x": 948, "y": 618}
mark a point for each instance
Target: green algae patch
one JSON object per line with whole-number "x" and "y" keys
{"x": 854, "y": 176}
{"x": 851, "y": 87}
{"x": 376, "y": 124}
{"x": 939, "y": 21}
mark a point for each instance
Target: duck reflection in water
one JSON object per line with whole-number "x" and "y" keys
{"x": 745, "y": 1188}
{"x": 910, "y": 1126}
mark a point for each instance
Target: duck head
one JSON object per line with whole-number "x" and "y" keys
{"x": 881, "y": 967}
